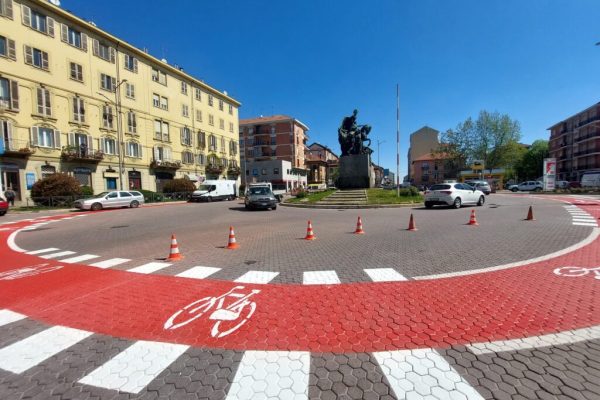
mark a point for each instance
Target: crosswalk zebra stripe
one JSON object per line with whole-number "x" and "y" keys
{"x": 48, "y": 250}
{"x": 585, "y": 224}
{"x": 8, "y": 317}
{"x": 59, "y": 254}
{"x": 83, "y": 257}
{"x": 135, "y": 367}
{"x": 149, "y": 267}
{"x": 198, "y": 272}
{"x": 110, "y": 263}
{"x": 27, "y": 353}
{"x": 257, "y": 277}
{"x": 271, "y": 374}
{"x": 384, "y": 275}
{"x": 320, "y": 278}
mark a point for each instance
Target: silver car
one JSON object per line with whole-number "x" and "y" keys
{"x": 453, "y": 195}
{"x": 113, "y": 199}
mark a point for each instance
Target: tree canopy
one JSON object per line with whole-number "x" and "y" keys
{"x": 532, "y": 164}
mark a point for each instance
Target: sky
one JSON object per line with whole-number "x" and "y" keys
{"x": 317, "y": 60}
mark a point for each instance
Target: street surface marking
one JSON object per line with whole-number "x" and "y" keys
{"x": 59, "y": 254}
{"x": 29, "y": 352}
{"x": 423, "y": 373}
{"x": 320, "y": 277}
{"x": 553, "y": 339}
{"x": 77, "y": 259}
{"x": 135, "y": 367}
{"x": 257, "y": 277}
{"x": 271, "y": 374}
{"x": 584, "y": 219}
{"x": 585, "y": 224}
{"x": 110, "y": 263}
{"x": 198, "y": 272}
{"x": 149, "y": 268}
{"x": 384, "y": 275}
{"x": 8, "y": 317}
{"x": 49, "y": 249}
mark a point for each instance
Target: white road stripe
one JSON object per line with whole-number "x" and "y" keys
{"x": 384, "y": 275}
{"x": 584, "y": 219}
{"x": 149, "y": 268}
{"x": 135, "y": 367}
{"x": 585, "y": 224}
{"x": 320, "y": 277}
{"x": 7, "y": 317}
{"x": 77, "y": 259}
{"x": 59, "y": 254}
{"x": 67, "y": 218}
{"x": 257, "y": 277}
{"x": 198, "y": 272}
{"x": 553, "y": 339}
{"x": 271, "y": 374}
{"x": 110, "y": 263}
{"x": 423, "y": 373}
{"x": 29, "y": 352}
{"x": 49, "y": 249}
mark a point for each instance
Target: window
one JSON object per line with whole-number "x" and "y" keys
{"x": 186, "y": 136}
{"x": 76, "y": 72}
{"x": 107, "y": 82}
{"x": 211, "y": 159}
{"x": 224, "y": 162}
{"x": 198, "y": 94}
{"x": 220, "y": 104}
{"x": 221, "y": 123}
{"x": 36, "y": 58}
{"x": 109, "y": 146}
{"x": 37, "y": 21}
{"x": 232, "y": 148}
{"x": 162, "y": 153}
{"x": 230, "y": 109}
{"x": 130, "y": 90}
{"x": 130, "y": 63}
{"x": 103, "y": 51}
{"x": 211, "y": 120}
{"x": 133, "y": 149}
{"x": 199, "y": 115}
{"x": 7, "y": 48}
{"x": 78, "y": 110}
{"x": 275, "y": 171}
{"x": 161, "y": 130}
{"x": 212, "y": 143}
{"x": 184, "y": 87}
{"x": 264, "y": 171}
{"x": 185, "y": 110}
{"x": 9, "y": 94}
{"x": 44, "y": 106}
{"x": 131, "y": 122}
{"x": 107, "y": 117}
{"x": 6, "y": 8}
{"x": 73, "y": 37}
{"x": 187, "y": 157}
{"x": 210, "y": 100}
{"x": 155, "y": 100}
{"x": 159, "y": 76}
{"x": 201, "y": 139}
{"x": 45, "y": 137}
{"x": 222, "y": 145}
{"x": 201, "y": 159}
{"x": 164, "y": 103}
{"x": 231, "y": 127}
{"x": 82, "y": 142}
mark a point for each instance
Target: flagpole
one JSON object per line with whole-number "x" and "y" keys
{"x": 398, "y": 140}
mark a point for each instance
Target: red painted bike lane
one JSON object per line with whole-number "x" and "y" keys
{"x": 360, "y": 317}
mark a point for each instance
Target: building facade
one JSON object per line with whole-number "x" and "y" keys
{"x": 322, "y": 164}
{"x": 75, "y": 99}
{"x": 280, "y": 173}
{"x": 422, "y": 142}
{"x": 575, "y": 143}
{"x": 428, "y": 169}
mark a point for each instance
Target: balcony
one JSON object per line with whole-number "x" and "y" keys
{"x": 586, "y": 152}
{"x": 587, "y": 121}
{"x": 588, "y": 136}
{"x": 165, "y": 164}
{"x": 79, "y": 154}
{"x": 215, "y": 169}
{"x": 234, "y": 171}
{"x": 17, "y": 148}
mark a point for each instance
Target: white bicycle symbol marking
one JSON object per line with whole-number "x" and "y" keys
{"x": 28, "y": 271}
{"x": 577, "y": 271}
{"x": 224, "y": 315}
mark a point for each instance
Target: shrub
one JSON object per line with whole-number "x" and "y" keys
{"x": 179, "y": 186}
{"x": 87, "y": 191}
{"x": 150, "y": 196}
{"x": 301, "y": 193}
{"x": 56, "y": 185}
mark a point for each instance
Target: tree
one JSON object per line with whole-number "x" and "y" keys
{"x": 56, "y": 185}
{"x": 532, "y": 164}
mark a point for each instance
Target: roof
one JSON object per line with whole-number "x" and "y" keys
{"x": 322, "y": 146}
{"x": 574, "y": 115}
{"x": 272, "y": 118}
{"x": 430, "y": 156}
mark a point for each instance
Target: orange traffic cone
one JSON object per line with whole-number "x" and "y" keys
{"x": 232, "y": 244}
{"x": 473, "y": 220}
{"x": 530, "y": 214}
{"x": 359, "y": 228}
{"x": 411, "y": 224}
{"x": 309, "y": 232}
{"x": 174, "y": 254}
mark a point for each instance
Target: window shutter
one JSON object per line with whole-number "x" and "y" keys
{"x": 8, "y": 9}
{"x": 44, "y": 60}
{"x": 34, "y": 135}
{"x": 72, "y": 139}
{"x": 113, "y": 84}
{"x": 90, "y": 143}
{"x": 12, "y": 52}
{"x": 117, "y": 147}
{"x": 95, "y": 47}
{"x": 48, "y": 105}
{"x": 156, "y": 154}
{"x": 14, "y": 95}
{"x": 28, "y": 55}
{"x": 50, "y": 24}
{"x": 57, "y": 139}
{"x": 64, "y": 33}
{"x": 26, "y": 13}
{"x": 139, "y": 150}
{"x": 135, "y": 65}
{"x": 40, "y": 100}
{"x": 112, "y": 55}
{"x": 102, "y": 146}
{"x": 182, "y": 136}
{"x": 84, "y": 40}
{"x": 167, "y": 153}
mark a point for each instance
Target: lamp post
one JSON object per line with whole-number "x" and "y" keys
{"x": 121, "y": 148}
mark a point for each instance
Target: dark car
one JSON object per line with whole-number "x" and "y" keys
{"x": 3, "y": 206}
{"x": 260, "y": 197}
{"x": 574, "y": 184}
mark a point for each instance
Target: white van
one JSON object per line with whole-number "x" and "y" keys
{"x": 215, "y": 190}
{"x": 590, "y": 179}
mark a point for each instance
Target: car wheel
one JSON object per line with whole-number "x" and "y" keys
{"x": 274, "y": 208}
{"x": 247, "y": 206}
{"x": 481, "y": 201}
{"x": 208, "y": 199}
{"x": 457, "y": 202}
{"x": 96, "y": 207}
{"x": 514, "y": 190}
{"x": 428, "y": 205}
{"x": 134, "y": 204}
{"x": 2, "y": 213}
{"x": 538, "y": 189}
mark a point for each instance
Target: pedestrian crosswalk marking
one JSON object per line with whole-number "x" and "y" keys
{"x": 109, "y": 263}
{"x": 8, "y": 317}
{"x": 384, "y": 275}
{"x": 149, "y": 267}
{"x": 198, "y": 272}
{"x": 48, "y": 250}
{"x": 257, "y": 277}
{"x": 77, "y": 259}
{"x": 320, "y": 277}
{"x": 59, "y": 254}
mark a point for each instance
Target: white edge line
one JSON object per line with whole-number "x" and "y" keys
{"x": 11, "y": 242}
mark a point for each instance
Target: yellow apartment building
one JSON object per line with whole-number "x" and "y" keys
{"x": 75, "y": 99}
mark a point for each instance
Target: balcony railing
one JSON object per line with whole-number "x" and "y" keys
{"x": 76, "y": 153}
{"x": 587, "y": 121}
{"x": 165, "y": 164}
{"x": 214, "y": 168}
{"x": 234, "y": 171}
{"x": 17, "y": 148}
{"x": 589, "y": 135}
{"x": 584, "y": 152}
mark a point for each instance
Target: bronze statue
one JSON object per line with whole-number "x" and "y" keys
{"x": 352, "y": 136}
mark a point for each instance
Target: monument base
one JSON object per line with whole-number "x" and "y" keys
{"x": 356, "y": 172}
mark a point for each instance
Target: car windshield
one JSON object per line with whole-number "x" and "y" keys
{"x": 439, "y": 187}
{"x": 103, "y": 194}
{"x": 259, "y": 190}
{"x": 207, "y": 188}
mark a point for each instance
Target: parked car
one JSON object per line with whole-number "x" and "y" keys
{"x": 112, "y": 199}
{"x": 215, "y": 190}
{"x": 260, "y": 197}
{"x": 530, "y": 186}
{"x": 574, "y": 184}
{"x": 590, "y": 179}
{"x": 513, "y": 187}
{"x": 481, "y": 185}
{"x": 561, "y": 184}
{"x": 3, "y": 206}
{"x": 454, "y": 195}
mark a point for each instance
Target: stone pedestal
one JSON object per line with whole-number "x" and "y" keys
{"x": 356, "y": 172}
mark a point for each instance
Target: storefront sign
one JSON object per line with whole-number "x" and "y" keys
{"x": 549, "y": 173}
{"x": 82, "y": 170}
{"x": 30, "y": 179}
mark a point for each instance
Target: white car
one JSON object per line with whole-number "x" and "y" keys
{"x": 116, "y": 198}
{"x": 453, "y": 194}
{"x": 529, "y": 186}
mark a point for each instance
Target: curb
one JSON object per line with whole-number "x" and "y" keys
{"x": 346, "y": 206}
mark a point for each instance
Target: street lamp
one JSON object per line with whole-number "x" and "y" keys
{"x": 117, "y": 104}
